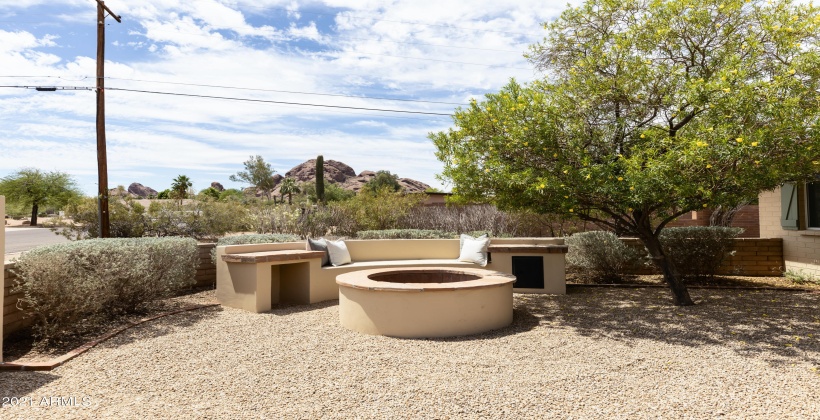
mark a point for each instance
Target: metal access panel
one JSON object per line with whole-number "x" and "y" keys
{"x": 529, "y": 272}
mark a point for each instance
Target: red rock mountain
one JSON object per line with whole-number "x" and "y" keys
{"x": 344, "y": 176}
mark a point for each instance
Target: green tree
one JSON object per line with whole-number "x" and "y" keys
{"x": 333, "y": 192}
{"x": 289, "y": 187}
{"x": 383, "y": 180}
{"x": 231, "y": 194}
{"x": 257, "y": 173}
{"x": 320, "y": 179}
{"x": 180, "y": 186}
{"x": 34, "y": 188}
{"x": 209, "y": 192}
{"x": 648, "y": 110}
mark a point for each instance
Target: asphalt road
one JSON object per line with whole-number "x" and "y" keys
{"x": 19, "y": 239}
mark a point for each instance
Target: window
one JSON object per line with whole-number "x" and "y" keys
{"x": 813, "y": 204}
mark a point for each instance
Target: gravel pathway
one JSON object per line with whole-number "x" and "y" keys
{"x": 594, "y": 353}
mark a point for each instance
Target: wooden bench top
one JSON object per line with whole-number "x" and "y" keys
{"x": 529, "y": 249}
{"x": 272, "y": 256}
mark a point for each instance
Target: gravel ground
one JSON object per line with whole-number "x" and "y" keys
{"x": 594, "y": 353}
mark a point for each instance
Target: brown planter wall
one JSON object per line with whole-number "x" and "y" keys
{"x": 13, "y": 319}
{"x": 753, "y": 257}
{"x": 746, "y": 218}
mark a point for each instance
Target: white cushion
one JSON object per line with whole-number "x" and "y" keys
{"x": 339, "y": 255}
{"x": 473, "y": 250}
{"x": 464, "y": 236}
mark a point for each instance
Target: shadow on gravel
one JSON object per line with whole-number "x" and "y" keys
{"x": 19, "y": 384}
{"x": 162, "y": 326}
{"x": 777, "y": 325}
{"x": 288, "y": 308}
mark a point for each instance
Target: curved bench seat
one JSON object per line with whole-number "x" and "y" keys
{"x": 253, "y": 277}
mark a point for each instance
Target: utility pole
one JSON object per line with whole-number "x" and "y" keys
{"x": 102, "y": 160}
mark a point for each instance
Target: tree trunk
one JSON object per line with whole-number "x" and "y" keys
{"x": 34, "y": 209}
{"x": 290, "y": 199}
{"x": 680, "y": 293}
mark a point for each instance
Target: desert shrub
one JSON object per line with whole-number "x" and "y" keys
{"x": 199, "y": 219}
{"x": 126, "y": 219}
{"x": 601, "y": 254}
{"x": 698, "y": 251}
{"x": 405, "y": 234}
{"x": 253, "y": 238}
{"x": 71, "y": 286}
{"x": 268, "y": 218}
{"x": 487, "y": 218}
{"x": 257, "y": 239}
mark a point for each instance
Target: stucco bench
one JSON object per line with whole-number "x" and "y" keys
{"x": 253, "y": 277}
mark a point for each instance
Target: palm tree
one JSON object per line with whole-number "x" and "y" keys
{"x": 179, "y": 188}
{"x": 289, "y": 187}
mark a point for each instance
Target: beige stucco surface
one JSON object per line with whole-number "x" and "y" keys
{"x": 801, "y": 248}
{"x": 2, "y": 272}
{"x": 306, "y": 281}
{"x": 425, "y": 310}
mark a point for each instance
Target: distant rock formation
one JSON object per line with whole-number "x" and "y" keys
{"x": 138, "y": 190}
{"x": 344, "y": 176}
{"x": 335, "y": 171}
{"x": 217, "y": 186}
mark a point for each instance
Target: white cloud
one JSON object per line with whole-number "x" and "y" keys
{"x": 404, "y": 49}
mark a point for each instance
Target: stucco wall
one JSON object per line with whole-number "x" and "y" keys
{"x": 801, "y": 248}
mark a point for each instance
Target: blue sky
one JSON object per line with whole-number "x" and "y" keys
{"x": 419, "y": 56}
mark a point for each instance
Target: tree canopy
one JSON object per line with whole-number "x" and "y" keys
{"x": 648, "y": 110}
{"x": 383, "y": 180}
{"x": 258, "y": 174}
{"x": 32, "y": 187}
{"x": 179, "y": 188}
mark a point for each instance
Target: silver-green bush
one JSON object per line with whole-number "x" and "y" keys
{"x": 257, "y": 238}
{"x": 405, "y": 234}
{"x": 698, "y": 251}
{"x": 253, "y": 238}
{"x": 601, "y": 255}
{"x": 70, "y": 286}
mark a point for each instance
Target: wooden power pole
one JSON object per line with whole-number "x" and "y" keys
{"x": 102, "y": 161}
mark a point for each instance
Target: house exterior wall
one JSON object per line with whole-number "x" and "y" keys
{"x": 801, "y": 248}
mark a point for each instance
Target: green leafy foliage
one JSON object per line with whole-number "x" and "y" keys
{"x": 383, "y": 180}
{"x": 698, "y": 251}
{"x": 33, "y": 188}
{"x": 332, "y": 192}
{"x": 258, "y": 174}
{"x": 180, "y": 186}
{"x": 73, "y": 286}
{"x": 648, "y": 110}
{"x": 199, "y": 219}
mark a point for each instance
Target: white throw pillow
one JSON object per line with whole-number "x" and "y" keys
{"x": 464, "y": 236}
{"x": 473, "y": 250}
{"x": 339, "y": 255}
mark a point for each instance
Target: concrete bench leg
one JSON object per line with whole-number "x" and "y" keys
{"x": 251, "y": 287}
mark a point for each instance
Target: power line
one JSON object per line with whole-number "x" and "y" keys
{"x": 286, "y": 91}
{"x": 279, "y": 102}
{"x": 249, "y": 89}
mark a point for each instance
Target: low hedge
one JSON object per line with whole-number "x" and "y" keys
{"x": 71, "y": 286}
{"x": 405, "y": 234}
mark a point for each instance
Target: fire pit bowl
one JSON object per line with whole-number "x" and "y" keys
{"x": 425, "y": 302}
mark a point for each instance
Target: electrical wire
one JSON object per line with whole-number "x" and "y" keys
{"x": 286, "y": 91}
{"x": 191, "y": 95}
{"x": 250, "y": 89}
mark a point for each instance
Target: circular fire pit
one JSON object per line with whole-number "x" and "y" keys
{"x": 425, "y": 301}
